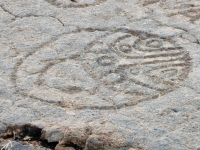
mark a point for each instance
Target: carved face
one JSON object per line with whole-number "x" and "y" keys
{"x": 116, "y": 71}
{"x": 138, "y": 66}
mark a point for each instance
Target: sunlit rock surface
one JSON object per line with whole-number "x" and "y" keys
{"x": 100, "y": 74}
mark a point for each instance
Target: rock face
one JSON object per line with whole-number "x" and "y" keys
{"x": 101, "y": 74}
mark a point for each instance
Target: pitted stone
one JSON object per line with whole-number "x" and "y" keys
{"x": 111, "y": 74}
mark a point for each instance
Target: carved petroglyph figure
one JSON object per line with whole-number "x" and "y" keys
{"x": 135, "y": 67}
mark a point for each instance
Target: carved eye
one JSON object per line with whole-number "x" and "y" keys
{"x": 154, "y": 43}
{"x": 105, "y": 61}
{"x": 126, "y": 48}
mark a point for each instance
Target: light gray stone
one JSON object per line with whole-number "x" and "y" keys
{"x": 2, "y": 128}
{"x": 101, "y": 74}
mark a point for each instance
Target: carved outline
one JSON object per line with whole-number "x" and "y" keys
{"x": 127, "y": 104}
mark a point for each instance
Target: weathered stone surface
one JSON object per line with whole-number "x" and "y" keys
{"x": 101, "y": 74}
{"x": 58, "y": 147}
{"x": 13, "y": 145}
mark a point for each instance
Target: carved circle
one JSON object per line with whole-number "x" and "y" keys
{"x": 144, "y": 67}
{"x": 129, "y": 67}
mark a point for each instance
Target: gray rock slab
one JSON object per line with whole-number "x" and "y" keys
{"x": 101, "y": 74}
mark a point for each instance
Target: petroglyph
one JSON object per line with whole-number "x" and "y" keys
{"x": 100, "y": 74}
{"x": 130, "y": 65}
{"x": 75, "y": 3}
{"x": 191, "y": 12}
{"x": 187, "y": 8}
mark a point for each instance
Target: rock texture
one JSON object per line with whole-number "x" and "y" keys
{"x": 100, "y": 74}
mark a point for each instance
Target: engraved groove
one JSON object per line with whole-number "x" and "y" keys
{"x": 193, "y": 13}
{"x": 131, "y": 64}
{"x": 74, "y": 3}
